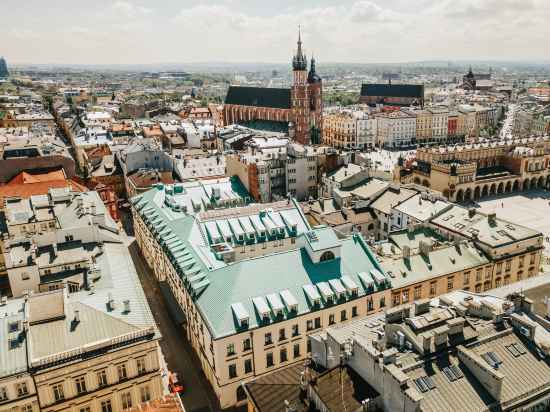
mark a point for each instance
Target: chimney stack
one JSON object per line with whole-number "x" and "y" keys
{"x": 126, "y": 306}
{"x": 76, "y": 316}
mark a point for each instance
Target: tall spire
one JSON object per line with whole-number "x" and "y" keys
{"x": 299, "y": 62}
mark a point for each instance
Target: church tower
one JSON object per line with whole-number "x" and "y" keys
{"x": 315, "y": 89}
{"x": 300, "y": 95}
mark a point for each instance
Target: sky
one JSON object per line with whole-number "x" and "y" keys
{"x": 262, "y": 31}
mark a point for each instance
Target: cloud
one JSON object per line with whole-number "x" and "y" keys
{"x": 367, "y": 11}
{"x": 129, "y": 10}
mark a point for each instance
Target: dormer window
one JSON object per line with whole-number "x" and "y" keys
{"x": 326, "y": 256}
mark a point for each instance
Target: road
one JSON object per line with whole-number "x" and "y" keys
{"x": 506, "y": 131}
{"x": 180, "y": 357}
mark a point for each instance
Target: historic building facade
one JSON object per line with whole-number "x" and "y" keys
{"x": 474, "y": 171}
{"x": 298, "y": 110}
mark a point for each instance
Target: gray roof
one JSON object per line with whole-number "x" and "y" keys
{"x": 13, "y": 360}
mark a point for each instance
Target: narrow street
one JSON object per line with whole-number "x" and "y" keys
{"x": 198, "y": 395}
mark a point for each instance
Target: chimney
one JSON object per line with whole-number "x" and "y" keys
{"x": 54, "y": 246}
{"x": 93, "y": 207}
{"x": 76, "y": 316}
{"x": 471, "y": 212}
{"x": 126, "y": 306}
{"x": 406, "y": 252}
{"x": 492, "y": 218}
{"x": 111, "y": 302}
{"x": 427, "y": 343}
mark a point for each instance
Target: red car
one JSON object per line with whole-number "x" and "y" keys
{"x": 174, "y": 383}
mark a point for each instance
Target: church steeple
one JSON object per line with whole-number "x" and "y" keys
{"x": 312, "y": 76}
{"x": 299, "y": 62}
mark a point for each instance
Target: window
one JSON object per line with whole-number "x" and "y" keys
{"x": 296, "y": 350}
{"x": 295, "y": 330}
{"x": 479, "y": 273}
{"x": 433, "y": 288}
{"x": 308, "y": 346}
{"x": 145, "y": 394}
{"x": 248, "y": 366}
{"x": 268, "y": 339}
{"x": 232, "y": 371}
{"x": 27, "y": 407}
{"x": 309, "y": 325}
{"x": 25, "y": 276}
{"x": 521, "y": 261}
{"x": 106, "y": 406}
{"x": 126, "y": 399}
{"x": 488, "y": 272}
{"x": 417, "y": 292}
{"x": 331, "y": 320}
{"x": 85, "y": 409}
{"x": 269, "y": 359}
{"x": 328, "y": 255}
{"x": 466, "y": 278}
{"x": 405, "y": 296}
{"x": 343, "y": 315}
{"x": 499, "y": 267}
{"x": 13, "y": 327}
{"x": 396, "y": 299}
{"x": 80, "y": 383}
{"x": 317, "y": 323}
{"x": 230, "y": 349}
{"x": 102, "y": 378}
{"x": 282, "y": 334}
{"x": 3, "y": 393}
{"x": 246, "y": 344}
{"x": 508, "y": 266}
{"x": 283, "y": 355}
{"x": 532, "y": 258}
{"x": 121, "y": 369}
{"x": 382, "y": 302}
{"x": 354, "y": 311}
{"x": 58, "y": 393}
{"x": 141, "y": 366}
{"x": 22, "y": 389}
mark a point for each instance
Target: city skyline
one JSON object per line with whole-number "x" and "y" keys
{"x": 243, "y": 31}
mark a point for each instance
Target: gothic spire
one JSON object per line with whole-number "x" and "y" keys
{"x": 299, "y": 62}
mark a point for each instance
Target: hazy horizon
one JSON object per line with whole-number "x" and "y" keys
{"x": 135, "y": 32}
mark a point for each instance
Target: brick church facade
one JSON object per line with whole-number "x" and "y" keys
{"x": 298, "y": 110}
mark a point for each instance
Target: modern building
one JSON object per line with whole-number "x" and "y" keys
{"x": 298, "y": 110}
{"x": 252, "y": 282}
{"x": 3, "y": 68}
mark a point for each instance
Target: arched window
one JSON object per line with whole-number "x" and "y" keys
{"x": 328, "y": 255}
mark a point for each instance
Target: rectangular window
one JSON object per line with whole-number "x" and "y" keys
{"x": 232, "y": 371}
{"x": 141, "y": 366}
{"x": 296, "y": 350}
{"x": 106, "y": 406}
{"x": 80, "y": 383}
{"x": 269, "y": 359}
{"x": 282, "y": 334}
{"x": 499, "y": 267}
{"x": 58, "y": 393}
{"x": 417, "y": 292}
{"x": 230, "y": 349}
{"x": 353, "y": 311}
{"x": 3, "y": 394}
{"x": 508, "y": 266}
{"x": 382, "y": 302}
{"x": 102, "y": 378}
{"x": 246, "y": 344}
{"x": 27, "y": 407}
{"x": 479, "y": 274}
{"x": 121, "y": 369}
{"x": 466, "y": 278}
{"x": 343, "y": 315}
{"x": 396, "y": 299}
{"x": 22, "y": 389}
{"x": 295, "y": 330}
{"x": 317, "y": 323}
{"x": 405, "y": 296}
{"x": 532, "y": 259}
{"x": 248, "y": 366}
{"x": 521, "y": 261}
{"x": 488, "y": 272}
{"x": 145, "y": 394}
{"x": 450, "y": 283}
{"x": 308, "y": 346}
{"x": 309, "y": 325}
{"x": 331, "y": 320}
{"x": 433, "y": 288}
{"x": 126, "y": 399}
{"x": 268, "y": 339}
{"x": 283, "y": 355}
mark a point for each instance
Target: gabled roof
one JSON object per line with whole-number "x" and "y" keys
{"x": 258, "y": 97}
{"x": 393, "y": 90}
